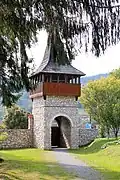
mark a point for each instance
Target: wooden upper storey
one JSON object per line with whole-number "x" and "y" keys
{"x": 56, "y": 89}
{"x": 55, "y": 85}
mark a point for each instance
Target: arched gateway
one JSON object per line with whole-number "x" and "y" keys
{"x": 61, "y": 132}
{"x": 56, "y": 120}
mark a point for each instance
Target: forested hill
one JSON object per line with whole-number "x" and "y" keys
{"x": 86, "y": 79}
{"x": 25, "y": 102}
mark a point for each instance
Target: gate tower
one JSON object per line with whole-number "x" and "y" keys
{"x": 56, "y": 119}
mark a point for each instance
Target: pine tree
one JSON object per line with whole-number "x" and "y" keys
{"x": 66, "y": 22}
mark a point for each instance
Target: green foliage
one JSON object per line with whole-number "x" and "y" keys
{"x": 16, "y": 118}
{"x": 64, "y": 20}
{"x": 102, "y": 131}
{"x": 101, "y": 99}
{"x": 3, "y": 135}
{"x": 116, "y": 73}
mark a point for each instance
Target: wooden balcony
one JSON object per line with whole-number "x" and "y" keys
{"x": 56, "y": 89}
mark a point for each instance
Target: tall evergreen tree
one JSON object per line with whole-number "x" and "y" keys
{"x": 66, "y": 21}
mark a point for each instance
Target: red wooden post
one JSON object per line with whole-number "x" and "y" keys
{"x": 30, "y": 121}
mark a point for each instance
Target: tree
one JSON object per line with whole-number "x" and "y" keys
{"x": 116, "y": 73}
{"x": 3, "y": 135}
{"x": 66, "y": 22}
{"x": 101, "y": 99}
{"x": 16, "y": 118}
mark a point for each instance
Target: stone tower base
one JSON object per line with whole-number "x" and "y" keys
{"x": 64, "y": 111}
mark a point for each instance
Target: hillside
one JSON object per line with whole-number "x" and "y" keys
{"x": 86, "y": 79}
{"x": 26, "y": 103}
{"x": 1, "y": 112}
{"x": 104, "y": 160}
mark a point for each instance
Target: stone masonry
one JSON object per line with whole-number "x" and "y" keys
{"x": 17, "y": 138}
{"x": 45, "y": 111}
{"x": 23, "y": 138}
{"x": 86, "y": 136}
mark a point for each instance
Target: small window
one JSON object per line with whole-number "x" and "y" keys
{"x": 77, "y": 81}
{"x": 46, "y": 78}
{"x": 40, "y": 78}
{"x": 54, "y": 78}
{"x": 70, "y": 79}
{"x": 74, "y": 80}
{"x": 62, "y": 78}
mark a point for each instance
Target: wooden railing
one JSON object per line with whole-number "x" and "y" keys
{"x": 56, "y": 89}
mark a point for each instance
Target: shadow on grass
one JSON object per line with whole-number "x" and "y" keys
{"x": 8, "y": 176}
{"x": 91, "y": 173}
{"x": 49, "y": 168}
{"x": 13, "y": 167}
{"x": 94, "y": 147}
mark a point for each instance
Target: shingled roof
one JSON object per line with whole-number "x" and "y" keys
{"x": 48, "y": 66}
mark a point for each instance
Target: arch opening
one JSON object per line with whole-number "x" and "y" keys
{"x": 61, "y": 132}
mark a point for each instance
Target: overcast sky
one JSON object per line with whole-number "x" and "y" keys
{"x": 87, "y": 63}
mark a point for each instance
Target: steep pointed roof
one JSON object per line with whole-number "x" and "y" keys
{"x": 49, "y": 66}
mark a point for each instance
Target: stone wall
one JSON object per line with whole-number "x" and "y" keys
{"x": 17, "y": 138}
{"x": 39, "y": 132}
{"x": 23, "y": 138}
{"x": 86, "y": 136}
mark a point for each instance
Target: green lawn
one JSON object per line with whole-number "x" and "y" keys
{"x": 107, "y": 160}
{"x": 30, "y": 164}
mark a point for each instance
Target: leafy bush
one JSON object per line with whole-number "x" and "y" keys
{"x": 16, "y": 118}
{"x": 3, "y": 135}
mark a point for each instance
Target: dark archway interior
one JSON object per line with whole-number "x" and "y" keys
{"x": 61, "y": 132}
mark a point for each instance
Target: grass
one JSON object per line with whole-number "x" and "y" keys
{"x": 30, "y": 164}
{"x": 107, "y": 160}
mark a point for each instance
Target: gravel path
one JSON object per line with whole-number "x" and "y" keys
{"x": 79, "y": 168}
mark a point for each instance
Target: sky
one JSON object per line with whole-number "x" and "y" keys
{"x": 86, "y": 62}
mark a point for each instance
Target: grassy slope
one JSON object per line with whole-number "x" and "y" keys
{"x": 105, "y": 160}
{"x": 30, "y": 164}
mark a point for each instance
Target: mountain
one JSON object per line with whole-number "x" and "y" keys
{"x": 25, "y": 102}
{"x": 1, "y": 112}
{"x": 86, "y": 79}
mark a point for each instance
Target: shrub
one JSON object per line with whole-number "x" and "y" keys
{"x": 16, "y": 118}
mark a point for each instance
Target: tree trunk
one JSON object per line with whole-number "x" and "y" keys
{"x": 116, "y": 132}
{"x": 102, "y": 131}
{"x": 108, "y": 133}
